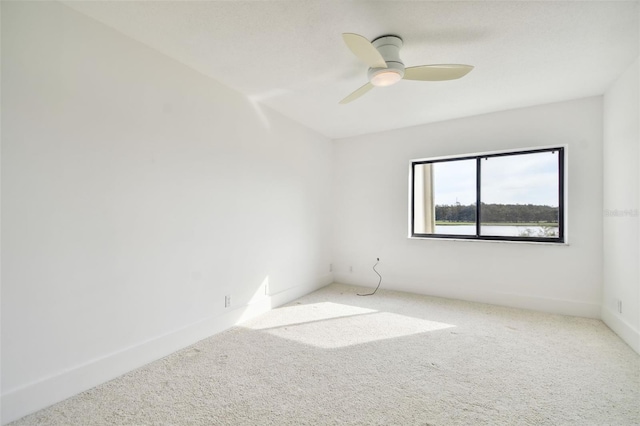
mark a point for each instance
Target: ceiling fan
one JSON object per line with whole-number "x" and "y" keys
{"x": 382, "y": 55}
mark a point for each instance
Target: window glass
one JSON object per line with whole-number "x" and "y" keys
{"x": 445, "y": 195}
{"x": 520, "y": 194}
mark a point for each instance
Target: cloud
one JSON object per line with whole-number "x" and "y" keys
{"x": 517, "y": 179}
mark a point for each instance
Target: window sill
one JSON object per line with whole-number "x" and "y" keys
{"x": 479, "y": 240}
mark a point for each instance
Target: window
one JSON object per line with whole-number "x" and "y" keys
{"x": 510, "y": 196}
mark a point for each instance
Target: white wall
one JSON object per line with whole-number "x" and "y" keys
{"x": 621, "y": 158}
{"x": 371, "y": 202}
{"x": 136, "y": 194}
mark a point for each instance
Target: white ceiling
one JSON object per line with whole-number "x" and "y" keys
{"x": 290, "y": 56}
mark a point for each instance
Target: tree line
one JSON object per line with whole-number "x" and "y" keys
{"x": 497, "y": 213}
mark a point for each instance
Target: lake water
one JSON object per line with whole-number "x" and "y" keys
{"x": 506, "y": 231}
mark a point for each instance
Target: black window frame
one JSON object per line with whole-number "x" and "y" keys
{"x": 479, "y": 157}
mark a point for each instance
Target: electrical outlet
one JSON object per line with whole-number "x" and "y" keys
{"x": 331, "y": 267}
{"x": 350, "y": 268}
{"x": 227, "y": 301}
{"x": 619, "y": 306}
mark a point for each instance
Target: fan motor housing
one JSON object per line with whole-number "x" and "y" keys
{"x": 389, "y": 47}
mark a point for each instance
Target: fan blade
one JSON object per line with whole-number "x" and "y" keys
{"x": 436, "y": 72}
{"x": 355, "y": 95}
{"x": 364, "y": 50}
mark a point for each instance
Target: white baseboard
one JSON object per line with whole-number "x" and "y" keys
{"x": 19, "y": 402}
{"x": 622, "y": 328}
{"x": 513, "y": 300}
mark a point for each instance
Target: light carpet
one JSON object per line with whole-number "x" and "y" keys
{"x": 334, "y": 358}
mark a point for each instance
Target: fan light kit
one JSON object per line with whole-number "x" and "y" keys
{"x": 382, "y": 55}
{"x": 385, "y": 78}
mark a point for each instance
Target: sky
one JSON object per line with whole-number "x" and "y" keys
{"x": 520, "y": 179}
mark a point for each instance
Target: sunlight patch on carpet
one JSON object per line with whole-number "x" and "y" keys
{"x": 331, "y": 325}
{"x": 299, "y": 314}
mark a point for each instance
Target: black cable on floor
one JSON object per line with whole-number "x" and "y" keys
{"x": 379, "y": 281}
